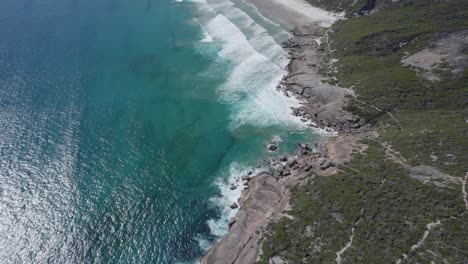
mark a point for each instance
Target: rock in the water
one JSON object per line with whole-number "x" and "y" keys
{"x": 295, "y": 111}
{"x": 232, "y": 221}
{"x": 246, "y": 178}
{"x": 249, "y": 173}
{"x": 305, "y": 146}
{"x": 234, "y": 206}
{"x": 233, "y": 187}
{"x": 283, "y": 159}
{"x": 272, "y": 147}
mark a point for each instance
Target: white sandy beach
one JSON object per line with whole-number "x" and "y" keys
{"x": 295, "y": 13}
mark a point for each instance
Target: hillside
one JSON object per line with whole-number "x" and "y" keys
{"x": 403, "y": 199}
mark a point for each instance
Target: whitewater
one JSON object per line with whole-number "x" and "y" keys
{"x": 252, "y": 45}
{"x": 125, "y": 124}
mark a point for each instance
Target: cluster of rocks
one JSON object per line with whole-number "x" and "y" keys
{"x": 245, "y": 179}
{"x": 281, "y": 88}
{"x": 304, "y": 160}
{"x": 323, "y": 103}
{"x": 312, "y": 116}
{"x": 305, "y": 117}
{"x": 273, "y": 145}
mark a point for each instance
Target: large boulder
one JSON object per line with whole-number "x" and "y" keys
{"x": 272, "y": 147}
{"x": 302, "y": 163}
{"x": 291, "y": 162}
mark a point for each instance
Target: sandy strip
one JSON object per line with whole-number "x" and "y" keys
{"x": 294, "y": 13}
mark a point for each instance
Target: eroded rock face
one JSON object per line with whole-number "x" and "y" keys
{"x": 231, "y": 222}
{"x": 272, "y": 147}
{"x": 264, "y": 199}
{"x": 323, "y": 103}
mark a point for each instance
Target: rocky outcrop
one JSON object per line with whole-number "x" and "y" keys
{"x": 323, "y": 103}
{"x": 266, "y": 196}
{"x": 272, "y": 147}
{"x": 265, "y": 200}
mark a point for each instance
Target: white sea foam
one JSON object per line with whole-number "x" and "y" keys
{"x": 257, "y": 67}
{"x": 194, "y": 1}
{"x": 256, "y": 36}
{"x": 206, "y": 37}
{"x": 203, "y": 243}
{"x": 258, "y": 13}
{"x": 276, "y": 139}
{"x": 251, "y": 85}
{"x": 219, "y": 227}
{"x": 258, "y": 64}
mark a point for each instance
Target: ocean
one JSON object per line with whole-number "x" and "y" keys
{"x": 123, "y": 124}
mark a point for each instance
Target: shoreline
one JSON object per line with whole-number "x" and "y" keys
{"x": 266, "y": 198}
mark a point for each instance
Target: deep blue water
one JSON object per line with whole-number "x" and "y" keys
{"x": 123, "y": 121}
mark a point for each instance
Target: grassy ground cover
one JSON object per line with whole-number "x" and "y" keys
{"x": 388, "y": 209}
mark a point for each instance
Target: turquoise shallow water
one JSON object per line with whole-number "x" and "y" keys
{"x": 122, "y": 122}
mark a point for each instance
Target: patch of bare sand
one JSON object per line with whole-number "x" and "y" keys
{"x": 294, "y": 13}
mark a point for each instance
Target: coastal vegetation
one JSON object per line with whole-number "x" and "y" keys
{"x": 402, "y": 199}
{"x": 387, "y": 208}
{"x": 369, "y": 50}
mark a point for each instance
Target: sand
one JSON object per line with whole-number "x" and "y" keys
{"x": 295, "y": 13}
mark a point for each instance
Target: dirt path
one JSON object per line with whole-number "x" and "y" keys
{"x": 424, "y": 173}
{"x": 429, "y": 227}
{"x": 465, "y": 194}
